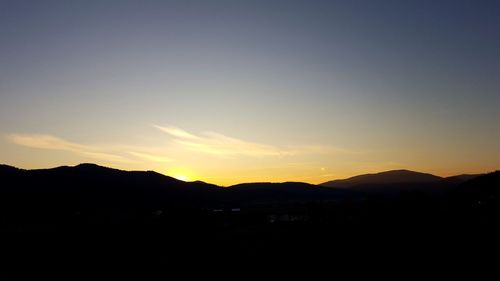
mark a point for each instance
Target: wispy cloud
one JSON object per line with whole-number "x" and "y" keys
{"x": 54, "y": 143}
{"x": 176, "y": 132}
{"x": 218, "y": 144}
{"x": 181, "y": 141}
{"x": 46, "y": 142}
{"x": 221, "y": 145}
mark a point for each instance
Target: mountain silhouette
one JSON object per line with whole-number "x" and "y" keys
{"x": 87, "y": 173}
{"x": 150, "y": 218}
{"x": 384, "y": 178}
{"x": 91, "y": 183}
{"x": 96, "y": 188}
{"x": 4, "y": 169}
{"x": 399, "y": 180}
{"x": 92, "y": 186}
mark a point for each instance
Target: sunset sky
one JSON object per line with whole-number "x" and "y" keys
{"x": 237, "y": 91}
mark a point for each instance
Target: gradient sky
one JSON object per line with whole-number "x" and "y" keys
{"x": 234, "y": 91}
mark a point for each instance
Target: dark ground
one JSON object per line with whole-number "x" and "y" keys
{"x": 78, "y": 233}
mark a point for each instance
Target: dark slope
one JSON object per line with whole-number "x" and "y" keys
{"x": 96, "y": 216}
{"x": 458, "y": 179}
{"x": 480, "y": 191}
{"x": 476, "y": 204}
{"x": 6, "y": 169}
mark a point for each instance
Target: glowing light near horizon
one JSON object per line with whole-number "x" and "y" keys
{"x": 181, "y": 174}
{"x": 181, "y": 177}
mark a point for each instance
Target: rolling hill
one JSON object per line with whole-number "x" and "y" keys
{"x": 90, "y": 186}
{"x": 398, "y": 180}
{"x": 149, "y": 217}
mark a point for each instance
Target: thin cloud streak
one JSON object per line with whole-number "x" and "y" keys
{"x": 182, "y": 146}
{"x": 221, "y": 145}
{"x": 49, "y": 142}
{"x": 46, "y": 142}
{"x": 176, "y": 132}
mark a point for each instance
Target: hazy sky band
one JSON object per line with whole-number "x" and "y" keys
{"x": 404, "y": 84}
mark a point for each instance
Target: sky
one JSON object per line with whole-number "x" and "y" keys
{"x": 238, "y": 91}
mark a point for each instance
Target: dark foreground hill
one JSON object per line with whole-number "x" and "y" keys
{"x": 91, "y": 195}
{"x": 87, "y": 216}
{"x": 93, "y": 186}
{"x": 88, "y": 186}
{"x": 478, "y": 200}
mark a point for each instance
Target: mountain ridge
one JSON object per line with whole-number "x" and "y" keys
{"x": 386, "y": 177}
{"x": 398, "y": 176}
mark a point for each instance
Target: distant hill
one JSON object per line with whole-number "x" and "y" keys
{"x": 271, "y": 185}
{"x": 389, "y": 177}
{"x": 286, "y": 192}
{"x": 93, "y": 186}
{"x": 398, "y": 180}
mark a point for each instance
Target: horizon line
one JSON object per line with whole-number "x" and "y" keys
{"x": 260, "y": 181}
